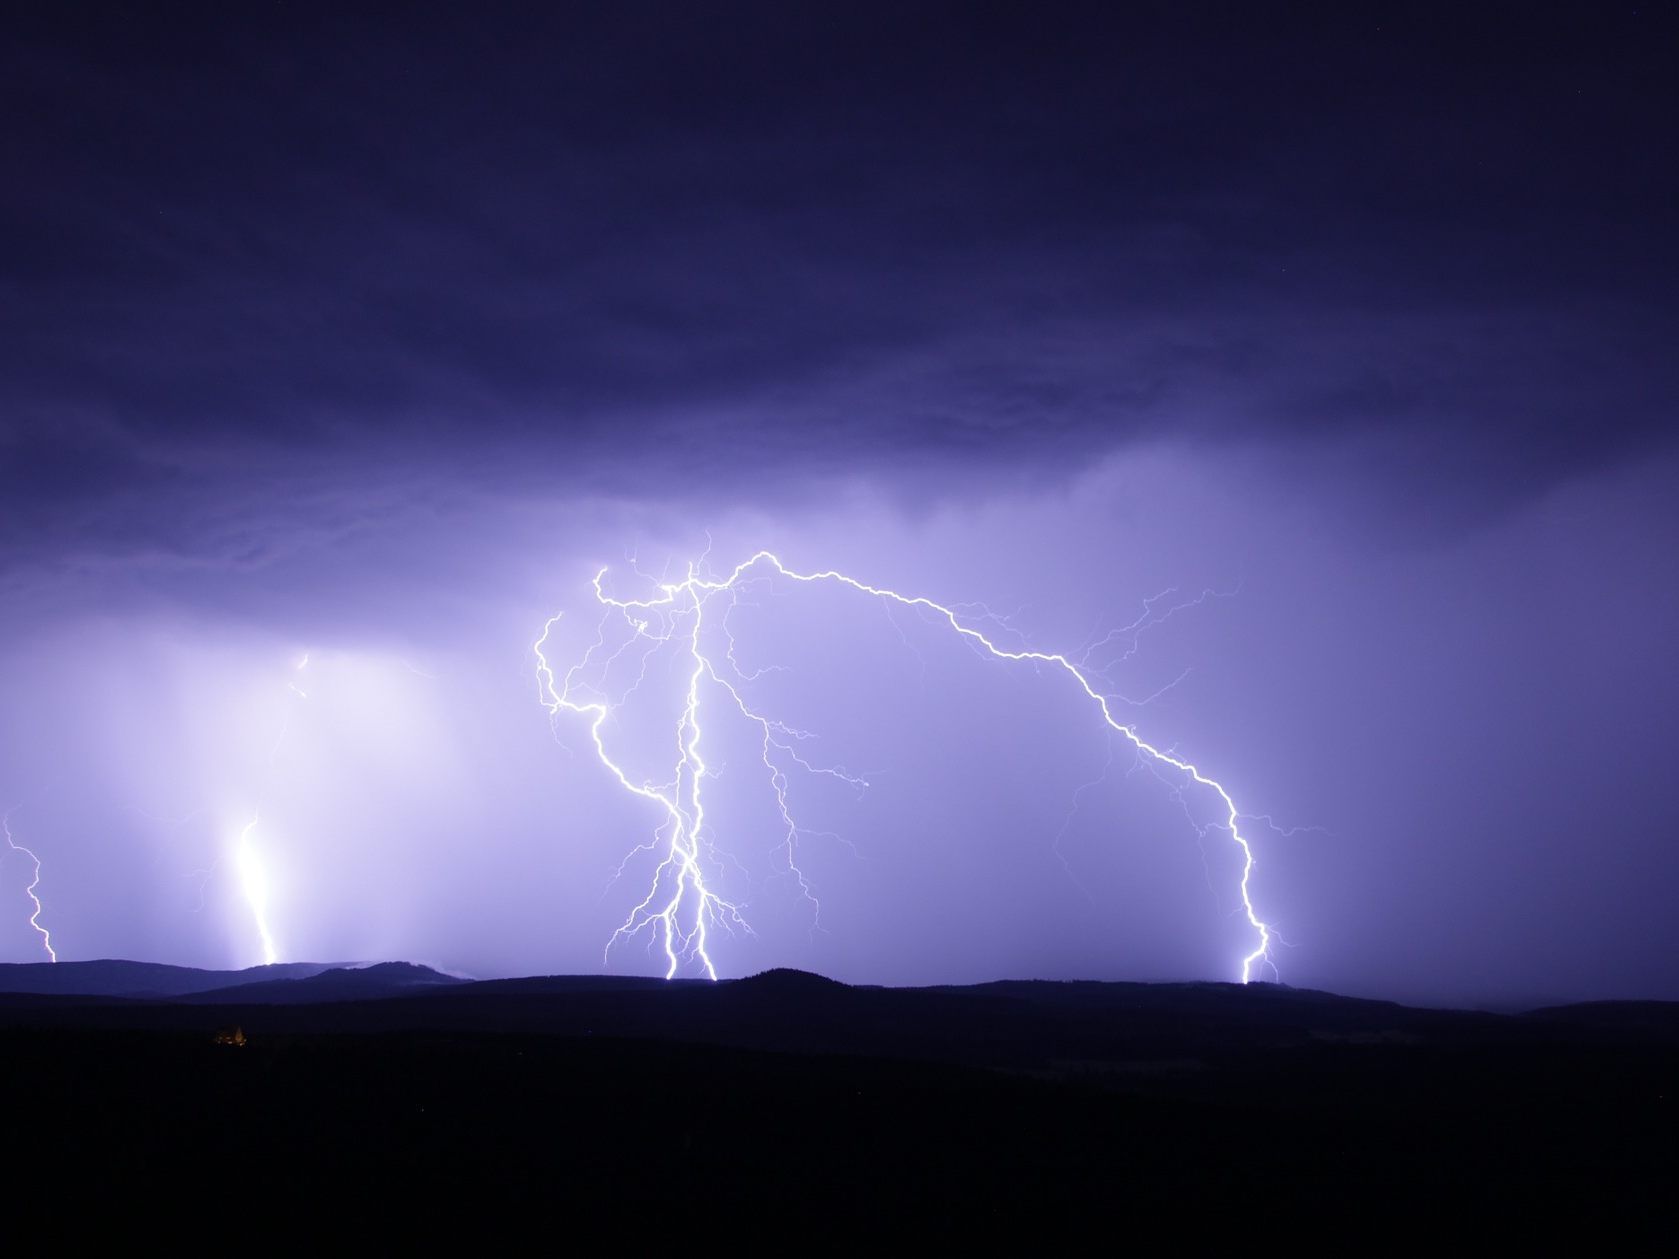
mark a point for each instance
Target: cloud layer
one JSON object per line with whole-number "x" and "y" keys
{"x": 249, "y": 254}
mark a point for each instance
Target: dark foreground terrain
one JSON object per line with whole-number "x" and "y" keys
{"x": 371, "y": 1104}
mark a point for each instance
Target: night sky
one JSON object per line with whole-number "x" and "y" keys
{"x": 372, "y": 337}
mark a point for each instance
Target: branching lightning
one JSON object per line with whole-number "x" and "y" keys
{"x": 681, "y": 909}
{"x": 34, "y": 883}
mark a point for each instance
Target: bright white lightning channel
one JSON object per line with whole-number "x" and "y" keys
{"x": 253, "y": 882}
{"x": 681, "y": 908}
{"x": 247, "y": 858}
{"x": 34, "y": 882}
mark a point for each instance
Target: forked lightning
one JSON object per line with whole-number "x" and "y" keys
{"x": 681, "y": 907}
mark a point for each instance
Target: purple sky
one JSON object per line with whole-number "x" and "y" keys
{"x": 375, "y": 342}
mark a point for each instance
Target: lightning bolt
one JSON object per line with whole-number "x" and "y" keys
{"x": 247, "y": 859}
{"x": 253, "y": 882}
{"x": 681, "y": 909}
{"x": 34, "y": 882}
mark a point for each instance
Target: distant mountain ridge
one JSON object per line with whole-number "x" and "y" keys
{"x": 339, "y": 983}
{"x": 116, "y": 977}
{"x": 1010, "y": 1023}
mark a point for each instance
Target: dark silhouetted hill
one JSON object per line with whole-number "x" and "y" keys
{"x": 113, "y": 977}
{"x": 794, "y": 1107}
{"x": 1640, "y": 1018}
{"x": 786, "y": 981}
{"x": 1035, "y": 1026}
{"x": 358, "y": 983}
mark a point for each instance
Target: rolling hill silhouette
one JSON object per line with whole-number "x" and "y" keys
{"x": 786, "y": 1097}
{"x": 112, "y": 977}
{"x": 342, "y": 983}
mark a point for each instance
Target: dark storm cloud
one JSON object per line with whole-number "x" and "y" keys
{"x": 247, "y": 252}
